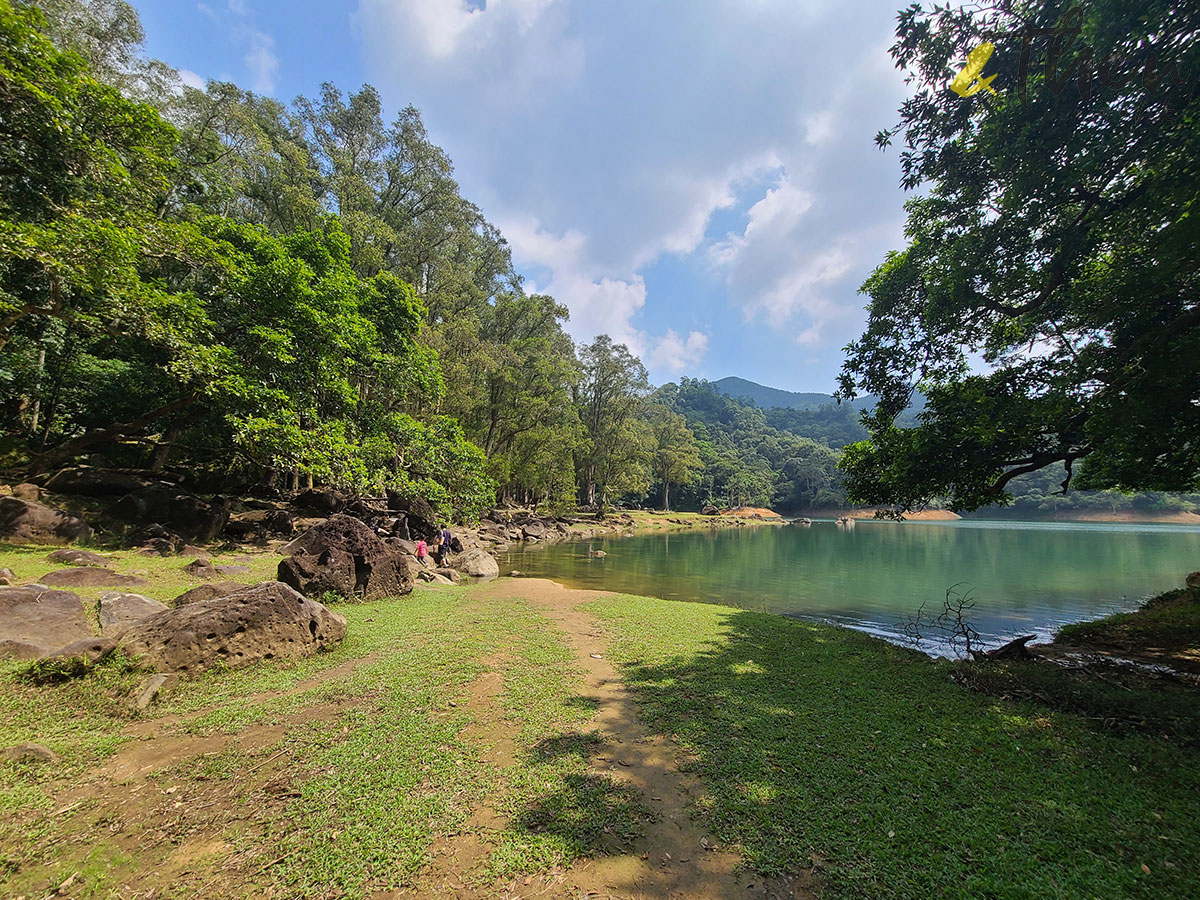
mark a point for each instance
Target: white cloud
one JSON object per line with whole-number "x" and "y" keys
{"x": 191, "y": 79}
{"x": 606, "y": 138}
{"x": 676, "y": 354}
{"x": 262, "y": 65}
{"x": 260, "y": 60}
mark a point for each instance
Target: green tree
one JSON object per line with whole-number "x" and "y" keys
{"x": 675, "y": 458}
{"x": 609, "y": 398}
{"x": 1056, "y": 239}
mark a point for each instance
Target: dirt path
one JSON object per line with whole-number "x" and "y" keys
{"x": 676, "y": 858}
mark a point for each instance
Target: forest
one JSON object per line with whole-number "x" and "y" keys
{"x": 261, "y": 297}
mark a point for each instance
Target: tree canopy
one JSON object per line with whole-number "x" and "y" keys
{"x": 1046, "y": 303}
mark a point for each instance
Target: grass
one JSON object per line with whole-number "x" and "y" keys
{"x": 821, "y": 746}
{"x": 376, "y": 765}
{"x": 1168, "y": 623}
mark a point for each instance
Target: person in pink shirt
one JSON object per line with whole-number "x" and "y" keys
{"x": 423, "y": 552}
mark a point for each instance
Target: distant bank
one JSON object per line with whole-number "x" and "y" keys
{"x": 1165, "y": 517}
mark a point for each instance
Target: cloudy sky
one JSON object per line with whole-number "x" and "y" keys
{"x": 695, "y": 178}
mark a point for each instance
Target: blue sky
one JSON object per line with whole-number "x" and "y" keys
{"x": 696, "y": 178}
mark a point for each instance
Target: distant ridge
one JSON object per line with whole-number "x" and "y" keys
{"x": 768, "y": 397}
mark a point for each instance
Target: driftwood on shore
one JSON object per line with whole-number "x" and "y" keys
{"x": 1014, "y": 649}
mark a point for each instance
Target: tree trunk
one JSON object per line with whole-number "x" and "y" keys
{"x": 666, "y": 496}
{"x": 163, "y": 448}
{"x": 37, "y": 391}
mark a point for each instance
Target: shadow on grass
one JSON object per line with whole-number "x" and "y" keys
{"x": 822, "y": 746}
{"x": 561, "y": 811}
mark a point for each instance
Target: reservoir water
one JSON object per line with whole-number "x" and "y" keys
{"x": 1024, "y": 577}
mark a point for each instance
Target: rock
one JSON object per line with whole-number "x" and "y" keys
{"x": 208, "y": 592}
{"x": 409, "y": 547}
{"x": 266, "y": 621}
{"x": 28, "y": 522}
{"x": 434, "y": 578}
{"x": 206, "y": 569}
{"x": 181, "y": 514}
{"x": 149, "y": 689}
{"x": 93, "y": 482}
{"x": 260, "y": 523}
{"x": 8, "y": 573}
{"x": 419, "y": 516}
{"x": 534, "y": 529}
{"x": 27, "y": 491}
{"x": 118, "y": 610}
{"x": 325, "y": 501}
{"x": 344, "y": 556}
{"x": 72, "y": 661}
{"x": 710, "y": 510}
{"x": 90, "y": 576}
{"x": 477, "y": 563}
{"x": 446, "y": 572}
{"x": 598, "y": 554}
{"x": 30, "y": 753}
{"x": 35, "y": 620}
{"x": 69, "y": 557}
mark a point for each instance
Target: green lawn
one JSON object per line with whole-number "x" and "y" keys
{"x": 824, "y": 746}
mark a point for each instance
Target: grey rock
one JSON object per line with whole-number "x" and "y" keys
{"x": 343, "y": 556}
{"x": 36, "y": 620}
{"x": 119, "y": 610}
{"x": 28, "y": 522}
{"x": 89, "y": 576}
{"x": 33, "y": 753}
{"x": 266, "y": 621}
{"x": 179, "y": 512}
{"x": 208, "y": 592}
{"x": 71, "y": 557}
{"x": 477, "y": 563}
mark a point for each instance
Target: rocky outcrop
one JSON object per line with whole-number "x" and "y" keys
{"x": 119, "y": 610}
{"x": 259, "y": 524}
{"x": 343, "y": 556}
{"x": 71, "y": 557}
{"x": 177, "y": 511}
{"x": 90, "y": 576}
{"x": 266, "y": 621}
{"x": 29, "y": 522}
{"x": 477, "y": 563}
{"x": 417, "y": 514}
{"x": 36, "y": 621}
{"x": 27, "y": 491}
{"x": 208, "y": 592}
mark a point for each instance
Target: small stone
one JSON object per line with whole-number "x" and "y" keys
{"x": 38, "y": 753}
{"x": 149, "y": 689}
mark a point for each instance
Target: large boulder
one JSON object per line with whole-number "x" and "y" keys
{"x": 89, "y": 576}
{"x": 35, "y": 621}
{"x": 27, "y": 491}
{"x": 70, "y": 557}
{"x": 93, "y": 482}
{"x": 29, "y": 522}
{"x": 119, "y": 610}
{"x": 179, "y": 512}
{"x": 256, "y": 524}
{"x": 208, "y": 592}
{"x": 419, "y": 516}
{"x": 324, "y": 501}
{"x": 477, "y": 563}
{"x": 344, "y": 556}
{"x": 266, "y": 621}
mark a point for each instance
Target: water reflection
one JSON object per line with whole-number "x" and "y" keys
{"x": 1026, "y": 577}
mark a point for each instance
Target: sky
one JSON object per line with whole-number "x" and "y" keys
{"x": 696, "y": 178}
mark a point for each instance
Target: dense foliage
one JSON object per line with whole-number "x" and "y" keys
{"x": 1046, "y": 304}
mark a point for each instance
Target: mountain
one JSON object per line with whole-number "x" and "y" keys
{"x": 768, "y": 397}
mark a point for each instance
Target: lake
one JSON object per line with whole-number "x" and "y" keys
{"x": 1025, "y": 577}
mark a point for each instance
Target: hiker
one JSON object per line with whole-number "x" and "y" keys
{"x": 437, "y": 549}
{"x": 422, "y": 553}
{"x": 447, "y": 543}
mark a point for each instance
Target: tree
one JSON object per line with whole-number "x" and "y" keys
{"x": 1055, "y": 239}
{"x": 675, "y": 458}
{"x": 613, "y": 386}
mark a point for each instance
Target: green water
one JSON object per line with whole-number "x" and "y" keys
{"x": 1025, "y": 577}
